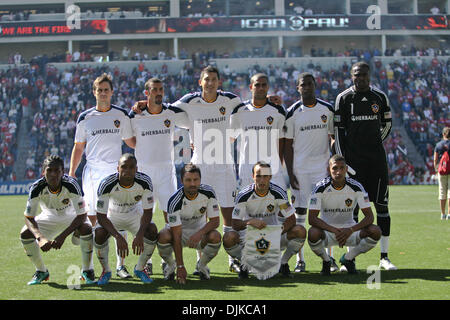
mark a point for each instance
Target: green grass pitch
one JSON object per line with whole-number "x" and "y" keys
{"x": 419, "y": 247}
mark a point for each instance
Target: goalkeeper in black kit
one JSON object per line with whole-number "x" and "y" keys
{"x": 362, "y": 122}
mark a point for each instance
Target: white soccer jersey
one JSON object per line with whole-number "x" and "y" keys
{"x": 260, "y": 128}
{"x": 103, "y": 133}
{"x": 192, "y": 215}
{"x": 155, "y": 133}
{"x": 336, "y": 206}
{"x": 68, "y": 201}
{"x": 208, "y": 126}
{"x": 250, "y": 205}
{"x": 309, "y": 127}
{"x": 113, "y": 199}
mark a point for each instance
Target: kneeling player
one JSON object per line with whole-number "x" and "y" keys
{"x": 188, "y": 211}
{"x": 259, "y": 205}
{"x": 63, "y": 211}
{"x": 335, "y": 197}
{"x": 118, "y": 209}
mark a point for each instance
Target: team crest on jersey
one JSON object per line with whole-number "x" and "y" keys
{"x": 172, "y": 219}
{"x": 324, "y": 118}
{"x": 375, "y": 108}
{"x": 66, "y": 201}
{"x": 167, "y": 123}
{"x": 137, "y": 198}
{"x": 262, "y": 246}
{"x": 222, "y": 110}
{"x": 348, "y": 202}
{"x": 270, "y": 207}
{"x": 269, "y": 120}
{"x": 117, "y": 123}
{"x": 236, "y": 212}
{"x": 202, "y": 210}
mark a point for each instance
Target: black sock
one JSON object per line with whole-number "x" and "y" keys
{"x": 384, "y": 255}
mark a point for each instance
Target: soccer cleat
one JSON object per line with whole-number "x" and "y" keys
{"x": 300, "y": 266}
{"x": 234, "y": 267}
{"x": 142, "y": 274}
{"x": 243, "y": 273}
{"x": 386, "y": 264}
{"x": 444, "y": 217}
{"x": 149, "y": 268}
{"x": 284, "y": 270}
{"x": 349, "y": 265}
{"x": 203, "y": 272}
{"x": 169, "y": 271}
{"x": 39, "y": 277}
{"x": 88, "y": 276}
{"x": 334, "y": 267}
{"x": 104, "y": 278}
{"x": 326, "y": 268}
{"x": 123, "y": 273}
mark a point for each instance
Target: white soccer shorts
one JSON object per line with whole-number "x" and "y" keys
{"x": 51, "y": 225}
{"x": 164, "y": 181}
{"x": 307, "y": 182}
{"x": 330, "y": 239}
{"x": 129, "y": 221}
{"x": 92, "y": 176}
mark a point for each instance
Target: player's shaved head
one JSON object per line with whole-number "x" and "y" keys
{"x": 127, "y": 156}
{"x": 336, "y": 158}
{"x": 305, "y": 75}
{"x": 446, "y": 132}
{"x": 191, "y": 168}
{"x": 360, "y": 65}
{"x": 258, "y": 76}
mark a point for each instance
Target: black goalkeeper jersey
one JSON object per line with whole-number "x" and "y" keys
{"x": 362, "y": 121}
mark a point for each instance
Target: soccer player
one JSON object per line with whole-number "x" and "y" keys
{"x": 118, "y": 208}
{"x": 153, "y": 129}
{"x": 260, "y": 124}
{"x": 259, "y": 205}
{"x": 309, "y": 134}
{"x": 444, "y": 185}
{"x": 362, "y": 122}
{"x": 335, "y": 198}
{"x": 209, "y": 115}
{"x": 99, "y": 133}
{"x": 62, "y": 212}
{"x": 193, "y": 215}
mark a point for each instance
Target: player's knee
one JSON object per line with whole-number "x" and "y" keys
{"x": 85, "y": 229}
{"x": 151, "y": 232}
{"x": 374, "y": 232}
{"x": 296, "y": 231}
{"x": 230, "y": 239}
{"x": 314, "y": 234}
{"x": 213, "y": 237}
{"x": 26, "y": 234}
{"x": 164, "y": 236}
{"x": 101, "y": 235}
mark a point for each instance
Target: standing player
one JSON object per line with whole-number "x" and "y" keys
{"x": 440, "y": 149}
{"x": 99, "y": 132}
{"x": 260, "y": 123}
{"x": 209, "y": 116}
{"x": 259, "y": 204}
{"x": 153, "y": 129}
{"x": 362, "y": 122}
{"x": 63, "y": 211}
{"x": 119, "y": 196}
{"x": 309, "y": 134}
{"x": 189, "y": 210}
{"x": 335, "y": 198}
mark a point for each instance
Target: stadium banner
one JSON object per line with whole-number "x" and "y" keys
{"x": 15, "y": 188}
{"x": 222, "y": 24}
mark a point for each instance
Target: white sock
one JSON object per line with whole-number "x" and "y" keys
{"x": 293, "y": 246}
{"x": 120, "y": 261}
{"x": 384, "y": 244}
{"x": 225, "y": 230}
{"x": 364, "y": 245}
{"x": 165, "y": 251}
{"x": 86, "y": 246}
{"x": 102, "y": 251}
{"x": 319, "y": 249}
{"x": 34, "y": 253}
{"x": 209, "y": 252}
{"x": 235, "y": 251}
{"x": 149, "y": 247}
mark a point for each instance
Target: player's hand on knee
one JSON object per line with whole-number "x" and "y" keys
{"x": 138, "y": 245}
{"x": 45, "y": 244}
{"x": 194, "y": 240}
{"x": 342, "y": 236}
{"x": 58, "y": 242}
{"x": 122, "y": 247}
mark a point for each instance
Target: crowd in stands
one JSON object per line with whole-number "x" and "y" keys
{"x": 418, "y": 93}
